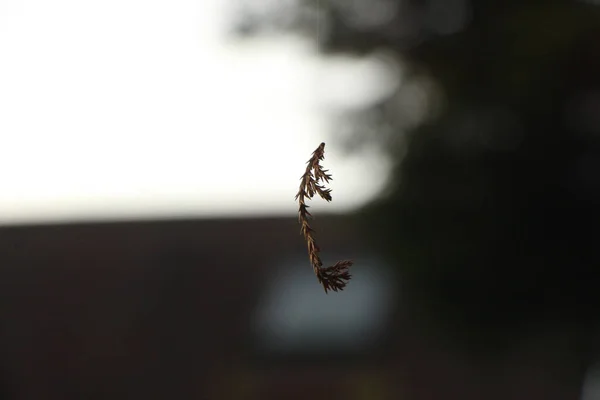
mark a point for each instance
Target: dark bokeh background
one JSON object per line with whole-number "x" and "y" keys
{"x": 476, "y": 271}
{"x": 491, "y": 216}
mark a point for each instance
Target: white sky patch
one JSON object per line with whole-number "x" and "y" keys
{"x": 125, "y": 108}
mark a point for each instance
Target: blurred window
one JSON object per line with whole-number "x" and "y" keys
{"x": 295, "y": 314}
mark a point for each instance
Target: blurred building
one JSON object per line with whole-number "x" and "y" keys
{"x": 209, "y": 309}
{"x": 227, "y": 309}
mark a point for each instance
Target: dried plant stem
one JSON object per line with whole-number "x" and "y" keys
{"x": 336, "y": 276}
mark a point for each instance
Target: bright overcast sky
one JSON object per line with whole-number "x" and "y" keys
{"x": 125, "y": 108}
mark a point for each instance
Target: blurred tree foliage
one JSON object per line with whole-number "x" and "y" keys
{"x": 493, "y": 211}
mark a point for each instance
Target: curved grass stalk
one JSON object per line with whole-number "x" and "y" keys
{"x": 312, "y": 182}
